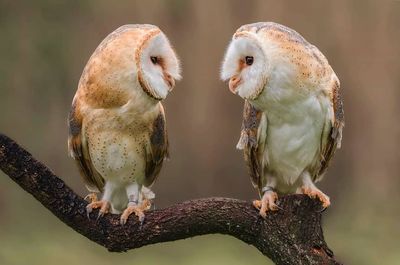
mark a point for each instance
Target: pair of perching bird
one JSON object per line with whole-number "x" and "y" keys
{"x": 292, "y": 120}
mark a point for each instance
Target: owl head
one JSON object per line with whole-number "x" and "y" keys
{"x": 268, "y": 54}
{"x": 134, "y": 60}
{"x": 246, "y": 64}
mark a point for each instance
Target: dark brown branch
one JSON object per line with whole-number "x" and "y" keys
{"x": 289, "y": 236}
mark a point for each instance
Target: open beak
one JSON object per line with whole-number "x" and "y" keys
{"x": 170, "y": 81}
{"x": 234, "y": 82}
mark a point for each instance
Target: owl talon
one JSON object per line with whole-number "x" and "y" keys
{"x": 100, "y": 215}
{"x": 267, "y": 203}
{"x": 315, "y": 193}
{"x": 257, "y": 204}
{"x": 141, "y": 219}
{"x": 103, "y": 205}
{"x": 128, "y": 211}
{"x": 137, "y": 209}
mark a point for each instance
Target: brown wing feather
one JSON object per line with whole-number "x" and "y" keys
{"x": 158, "y": 148}
{"x": 77, "y": 145}
{"x": 249, "y": 143}
{"x": 335, "y": 136}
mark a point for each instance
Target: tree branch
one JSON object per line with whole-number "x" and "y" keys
{"x": 289, "y": 236}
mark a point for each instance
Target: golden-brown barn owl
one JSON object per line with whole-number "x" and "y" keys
{"x": 117, "y": 130}
{"x": 293, "y": 111}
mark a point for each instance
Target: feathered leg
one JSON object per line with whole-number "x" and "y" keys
{"x": 104, "y": 203}
{"x": 269, "y": 197}
{"x": 136, "y": 204}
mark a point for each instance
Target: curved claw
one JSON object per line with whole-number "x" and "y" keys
{"x": 141, "y": 219}
{"x": 88, "y": 211}
{"x": 100, "y": 215}
{"x": 323, "y": 209}
{"x": 137, "y": 209}
{"x": 128, "y": 211}
{"x": 103, "y": 205}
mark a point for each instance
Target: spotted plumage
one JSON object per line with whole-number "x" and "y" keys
{"x": 117, "y": 127}
{"x": 293, "y": 114}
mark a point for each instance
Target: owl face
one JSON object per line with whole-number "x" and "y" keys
{"x": 245, "y": 65}
{"x": 133, "y": 62}
{"x": 157, "y": 64}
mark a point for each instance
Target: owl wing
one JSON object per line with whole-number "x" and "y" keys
{"x": 253, "y": 143}
{"x": 158, "y": 150}
{"x": 79, "y": 150}
{"x": 335, "y": 131}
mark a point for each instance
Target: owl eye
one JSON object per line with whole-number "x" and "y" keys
{"x": 249, "y": 60}
{"x": 154, "y": 59}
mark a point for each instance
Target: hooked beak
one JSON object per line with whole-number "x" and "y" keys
{"x": 169, "y": 80}
{"x": 234, "y": 82}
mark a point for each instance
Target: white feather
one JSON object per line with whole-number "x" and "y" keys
{"x": 159, "y": 46}
{"x": 254, "y": 76}
{"x": 290, "y": 136}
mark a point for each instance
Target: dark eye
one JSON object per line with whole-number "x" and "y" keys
{"x": 154, "y": 59}
{"x": 249, "y": 60}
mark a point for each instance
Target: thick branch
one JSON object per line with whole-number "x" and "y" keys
{"x": 289, "y": 236}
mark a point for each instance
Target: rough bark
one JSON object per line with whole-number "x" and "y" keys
{"x": 292, "y": 235}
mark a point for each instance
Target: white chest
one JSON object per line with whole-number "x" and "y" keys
{"x": 293, "y": 133}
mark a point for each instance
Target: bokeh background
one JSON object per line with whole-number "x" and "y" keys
{"x": 45, "y": 44}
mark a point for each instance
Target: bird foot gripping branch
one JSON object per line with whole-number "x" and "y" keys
{"x": 297, "y": 239}
{"x": 293, "y": 111}
{"x": 117, "y": 125}
{"x": 267, "y": 203}
{"x": 103, "y": 205}
{"x": 292, "y": 125}
{"x": 315, "y": 193}
{"x": 138, "y": 210}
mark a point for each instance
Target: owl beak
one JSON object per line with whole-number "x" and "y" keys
{"x": 170, "y": 81}
{"x": 234, "y": 82}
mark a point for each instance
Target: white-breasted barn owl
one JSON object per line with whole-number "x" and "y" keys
{"x": 293, "y": 110}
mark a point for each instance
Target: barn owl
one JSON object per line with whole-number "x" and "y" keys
{"x": 293, "y": 112}
{"x": 117, "y": 130}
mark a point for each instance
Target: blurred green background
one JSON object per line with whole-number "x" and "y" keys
{"x": 45, "y": 45}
